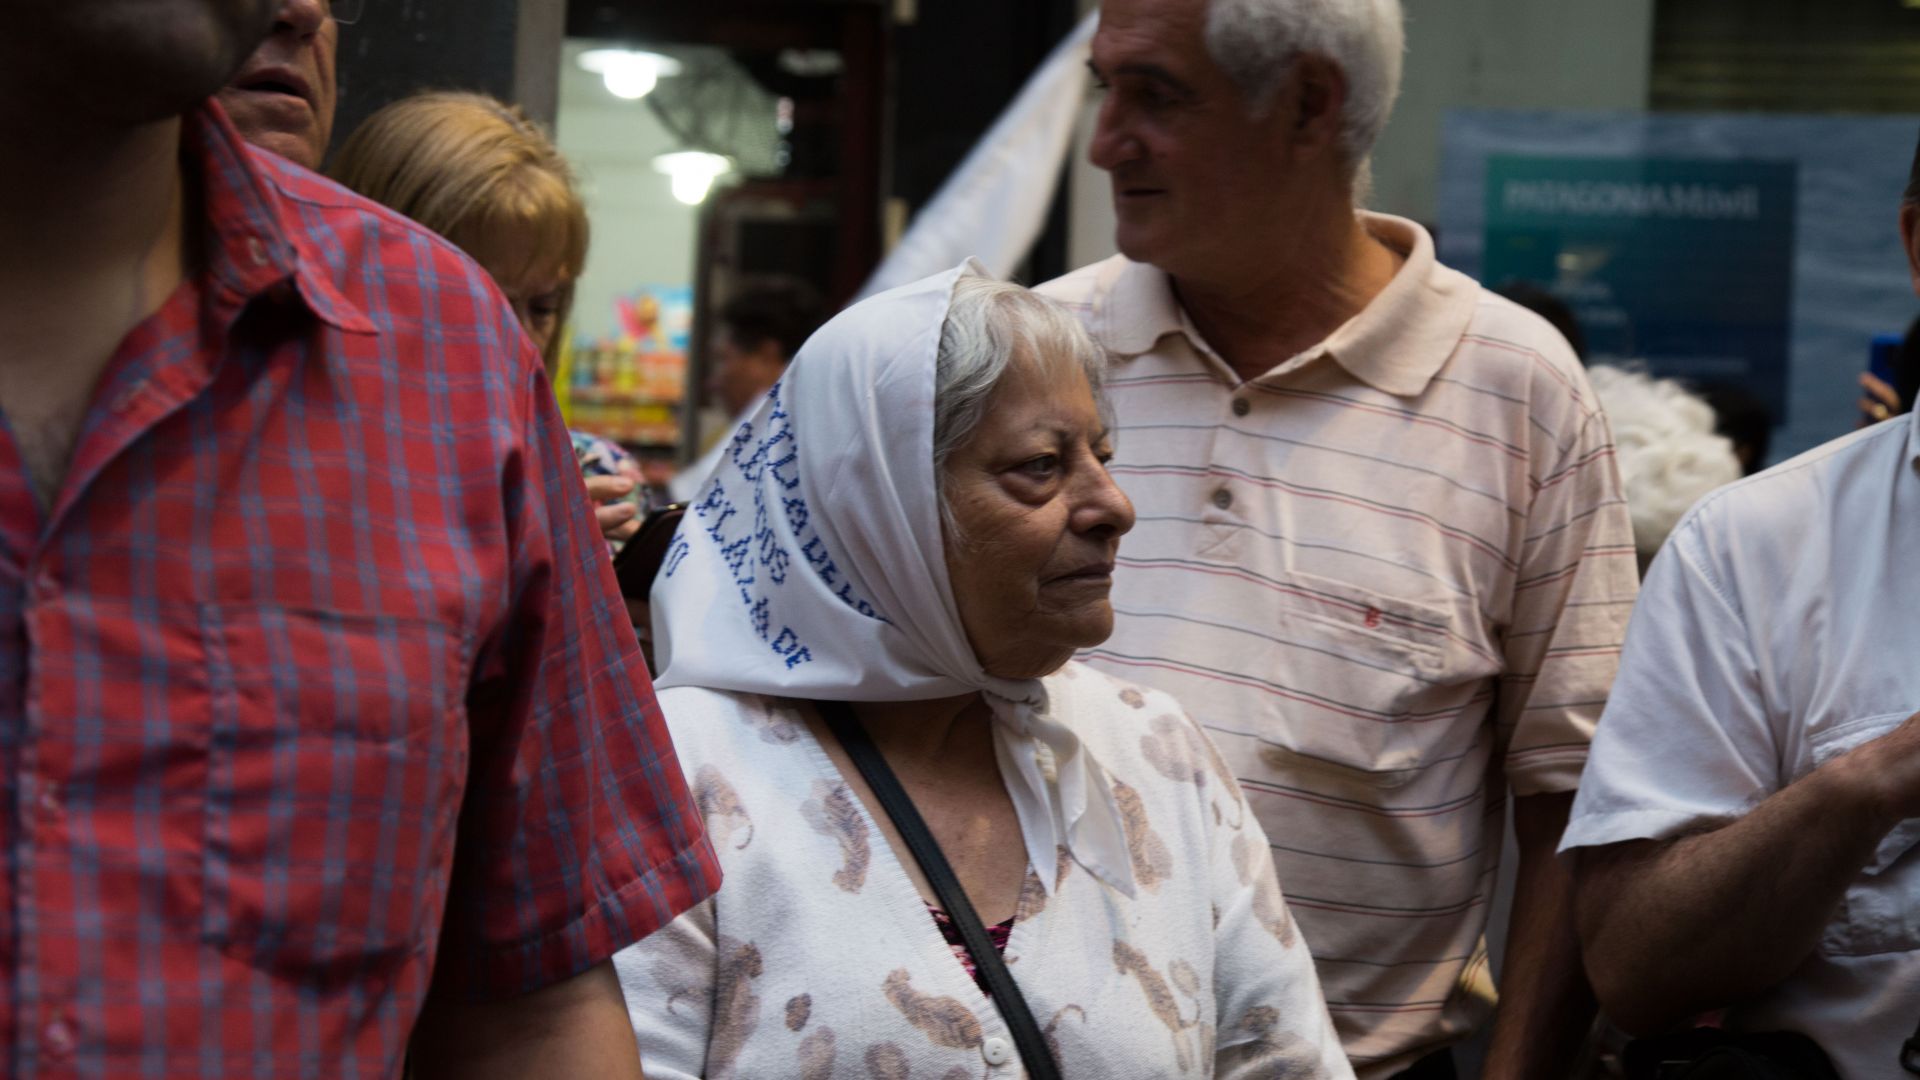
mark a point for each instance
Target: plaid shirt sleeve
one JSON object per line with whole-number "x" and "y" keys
{"x": 577, "y": 834}
{"x": 1575, "y": 588}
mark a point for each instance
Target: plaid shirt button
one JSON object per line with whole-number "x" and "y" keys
{"x": 58, "y": 1038}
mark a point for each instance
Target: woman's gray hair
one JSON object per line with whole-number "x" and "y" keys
{"x": 1256, "y": 42}
{"x": 989, "y": 325}
{"x": 1665, "y": 444}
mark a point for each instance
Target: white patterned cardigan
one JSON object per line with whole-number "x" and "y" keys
{"x": 818, "y": 958}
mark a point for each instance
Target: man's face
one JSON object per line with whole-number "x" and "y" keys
{"x": 739, "y": 375}
{"x": 1193, "y": 174}
{"x": 283, "y": 99}
{"x": 123, "y": 62}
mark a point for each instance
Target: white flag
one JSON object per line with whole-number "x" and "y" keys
{"x": 995, "y": 203}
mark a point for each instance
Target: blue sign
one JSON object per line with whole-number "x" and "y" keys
{"x": 1848, "y": 267}
{"x": 1684, "y": 264}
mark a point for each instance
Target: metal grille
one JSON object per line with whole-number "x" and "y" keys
{"x": 1859, "y": 56}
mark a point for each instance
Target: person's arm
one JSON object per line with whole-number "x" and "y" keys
{"x": 1878, "y": 401}
{"x": 1575, "y": 587}
{"x": 1674, "y": 927}
{"x": 1545, "y": 1007}
{"x": 577, "y": 1027}
{"x": 577, "y": 835}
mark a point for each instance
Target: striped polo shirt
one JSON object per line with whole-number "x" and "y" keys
{"x": 1391, "y": 577}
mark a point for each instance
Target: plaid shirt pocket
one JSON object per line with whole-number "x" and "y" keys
{"x": 337, "y": 759}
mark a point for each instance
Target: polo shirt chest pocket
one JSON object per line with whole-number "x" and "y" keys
{"x": 336, "y": 757}
{"x": 1880, "y": 912}
{"x": 1361, "y": 661}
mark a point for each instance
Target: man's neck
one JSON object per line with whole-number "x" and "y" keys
{"x": 92, "y": 242}
{"x": 1323, "y": 278}
{"x": 92, "y": 204}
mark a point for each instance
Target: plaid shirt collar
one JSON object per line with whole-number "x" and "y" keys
{"x": 249, "y": 249}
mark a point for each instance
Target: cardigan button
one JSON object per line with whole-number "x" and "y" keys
{"x": 996, "y": 1051}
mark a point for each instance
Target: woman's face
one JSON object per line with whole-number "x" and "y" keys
{"x": 534, "y": 285}
{"x": 1037, "y": 521}
{"x": 537, "y": 303}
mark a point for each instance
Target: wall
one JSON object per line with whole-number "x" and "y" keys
{"x": 641, "y": 233}
{"x": 1090, "y": 218}
{"x": 1515, "y": 54}
{"x": 1504, "y": 54}
{"x": 501, "y": 47}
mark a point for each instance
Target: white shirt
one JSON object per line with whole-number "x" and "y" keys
{"x": 1390, "y": 577}
{"x": 819, "y": 958}
{"x": 1779, "y": 628}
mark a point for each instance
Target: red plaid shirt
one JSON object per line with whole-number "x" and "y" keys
{"x": 317, "y": 661}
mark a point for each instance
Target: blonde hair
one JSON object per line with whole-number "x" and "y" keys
{"x": 480, "y": 173}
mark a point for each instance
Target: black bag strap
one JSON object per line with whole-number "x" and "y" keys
{"x": 1034, "y": 1053}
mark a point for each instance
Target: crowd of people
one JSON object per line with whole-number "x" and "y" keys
{"x": 1132, "y": 676}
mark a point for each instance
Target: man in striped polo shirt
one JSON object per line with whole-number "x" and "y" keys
{"x": 1382, "y": 551}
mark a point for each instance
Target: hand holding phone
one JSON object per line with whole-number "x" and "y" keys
{"x": 639, "y": 561}
{"x": 1880, "y": 399}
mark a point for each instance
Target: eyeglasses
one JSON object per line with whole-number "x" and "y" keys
{"x": 346, "y": 12}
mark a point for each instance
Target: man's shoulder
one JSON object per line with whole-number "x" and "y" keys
{"x": 1509, "y": 344}
{"x": 350, "y": 234}
{"x": 1842, "y": 479}
{"x": 1085, "y": 285}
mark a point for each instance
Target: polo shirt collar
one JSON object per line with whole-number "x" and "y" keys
{"x": 1401, "y": 339}
{"x": 1138, "y": 310}
{"x": 249, "y": 246}
{"x": 1396, "y": 345}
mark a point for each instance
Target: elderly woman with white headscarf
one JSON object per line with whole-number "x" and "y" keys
{"x": 919, "y": 523}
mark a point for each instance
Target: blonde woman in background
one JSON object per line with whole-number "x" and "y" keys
{"x": 480, "y": 173}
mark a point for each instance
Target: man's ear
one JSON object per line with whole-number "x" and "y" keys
{"x": 1910, "y": 239}
{"x": 1317, "y": 94}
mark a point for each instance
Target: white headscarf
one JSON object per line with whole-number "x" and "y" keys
{"x": 812, "y": 565}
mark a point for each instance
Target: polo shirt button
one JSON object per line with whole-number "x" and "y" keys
{"x": 257, "y": 250}
{"x": 996, "y": 1051}
{"x": 1223, "y": 498}
{"x": 1241, "y": 406}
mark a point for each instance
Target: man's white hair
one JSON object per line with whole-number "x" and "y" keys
{"x": 1256, "y": 42}
{"x": 1669, "y": 456}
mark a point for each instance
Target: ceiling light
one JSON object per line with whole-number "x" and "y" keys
{"x": 811, "y": 63}
{"x": 628, "y": 73}
{"x": 692, "y": 172}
